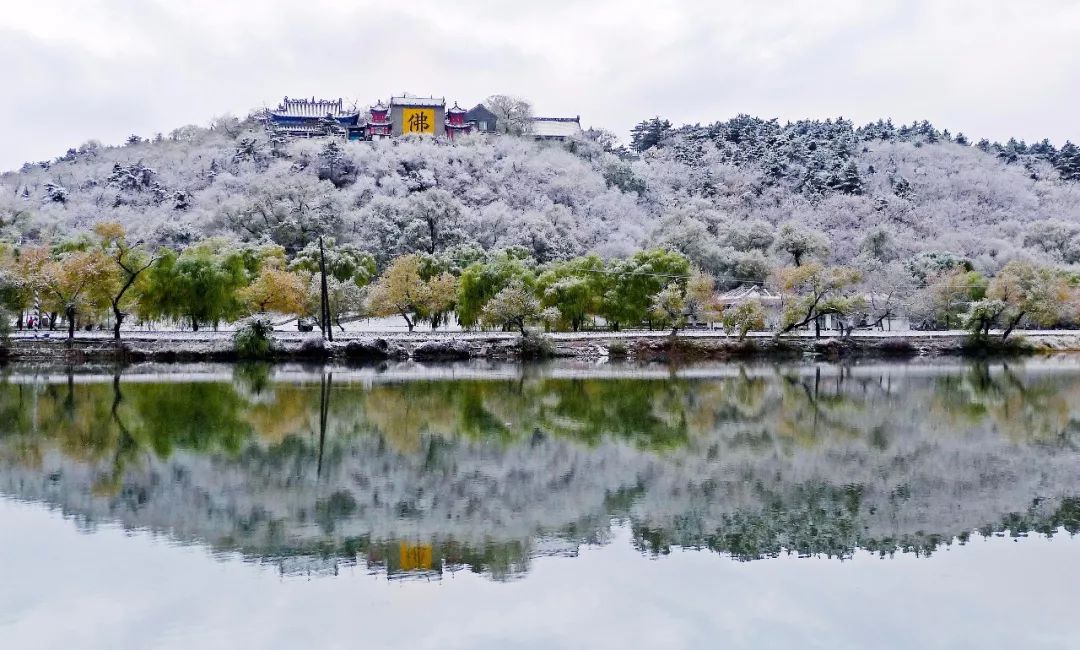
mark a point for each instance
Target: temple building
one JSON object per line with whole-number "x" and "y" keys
{"x": 455, "y": 122}
{"x": 402, "y": 115}
{"x": 417, "y": 115}
{"x": 309, "y": 118}
{"x": 408, "y": 115}
{"x": 378, "y": 125}
{"x": 482, "y": 119}
{"x": 556, "y": 128}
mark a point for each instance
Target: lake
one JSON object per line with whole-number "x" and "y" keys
{"x": 921, "y": 504}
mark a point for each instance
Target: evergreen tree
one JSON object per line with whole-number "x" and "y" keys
{"x": 847, "y": 180}
{"x": 902, "y": 187}
{"x": 1068, "y": 162}
{"x": 649, "y": 133}
{"x": 813, "y": 184}
{"x": 335, "y": 166}
{"x": 1043, "y": 149}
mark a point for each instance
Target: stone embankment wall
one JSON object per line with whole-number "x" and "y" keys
{"x": 648, "y": 346}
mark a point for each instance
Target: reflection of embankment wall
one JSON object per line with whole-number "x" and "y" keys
{"x": 780, "y": 462}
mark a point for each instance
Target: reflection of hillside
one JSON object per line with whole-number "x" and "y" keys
{"x": 420, "y": 477}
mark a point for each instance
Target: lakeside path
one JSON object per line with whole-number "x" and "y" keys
{"x": 372, "y": 345}
{"x": 290, "y": 334}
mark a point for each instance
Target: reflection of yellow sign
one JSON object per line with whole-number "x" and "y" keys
{"x": 418, "y": 120}
{"x": 416, "y": 557}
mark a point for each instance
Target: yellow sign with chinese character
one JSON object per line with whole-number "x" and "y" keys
{"x": 418, "y": 120}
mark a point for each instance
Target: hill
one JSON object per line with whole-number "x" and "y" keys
{"x": 718, "y": 192}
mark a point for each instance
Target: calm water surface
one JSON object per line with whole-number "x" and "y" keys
{"x": 885, "y": 505}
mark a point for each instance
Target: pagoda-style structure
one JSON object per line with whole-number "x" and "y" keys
{"x": 379, "y": 125}
{"x": 456, "y": 126}
{"x": 306, "y": 118}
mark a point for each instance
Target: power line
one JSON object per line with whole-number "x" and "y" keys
{"x": 719, "y": 276}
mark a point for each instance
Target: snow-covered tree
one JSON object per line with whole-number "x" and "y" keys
{"x": 513, "y": 114}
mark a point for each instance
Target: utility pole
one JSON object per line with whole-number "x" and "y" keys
{"x": 324, "y": 317}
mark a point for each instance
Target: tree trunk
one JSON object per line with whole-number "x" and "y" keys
{"x": 194, "y": 324}
{"x": 1012, "y": 325}
{"x": 324, "y": 298}
{"x": 119, "y": 316}
{"x": 70, "y": 314}
{"x": 52, "y": 320}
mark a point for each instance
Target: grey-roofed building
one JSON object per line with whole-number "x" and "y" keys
{"x": 482, "y": 120}
{"x": 556, "y": 128}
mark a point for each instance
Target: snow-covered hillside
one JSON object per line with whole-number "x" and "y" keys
{"x": 717, "y": 192}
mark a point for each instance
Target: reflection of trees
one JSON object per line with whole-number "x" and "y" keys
{"x": 1038, "y": 409}
{"x": 754, "y": 465}
{"x": 96, "y": 422}
{"x": 822, "y": 520}
{"x": 648, "y": 414}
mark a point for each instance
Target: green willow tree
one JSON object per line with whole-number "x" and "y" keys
{"x": 575, "y": 287}
{"x": 632, "y": 285}
{"x": 480, "y": 281}
{"x": 201, "y": 285}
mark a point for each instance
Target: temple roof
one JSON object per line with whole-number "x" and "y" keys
{"x": 556, "y": 127}
{"x": 303, "y": 129}
{"x": 480, "y": 112}
{"x": 312, "y": 108}
{"x": 456, "y": 109}
{"x": 406, "y": 100}
{"x": 748, "y": 291}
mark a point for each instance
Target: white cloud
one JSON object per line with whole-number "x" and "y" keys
{"x": 106, "y": 68}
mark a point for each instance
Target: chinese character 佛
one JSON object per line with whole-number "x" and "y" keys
{"x": 418, "y": 122}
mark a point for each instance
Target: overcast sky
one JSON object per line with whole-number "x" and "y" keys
{"x": 107, "y": 68}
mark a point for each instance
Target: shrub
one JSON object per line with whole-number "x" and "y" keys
{"x": 313, "y": 347}
{"x": 536, "y": 346}
{"x": 746, "y": 317}
{"x": 367, "y": 350}
{"x": 254, "y": 338}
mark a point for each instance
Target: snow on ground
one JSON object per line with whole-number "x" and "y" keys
{"x": 387, "y": 328}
